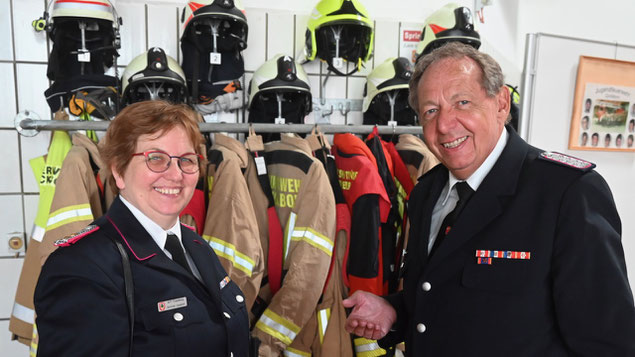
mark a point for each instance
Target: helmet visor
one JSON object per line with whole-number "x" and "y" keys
{"x": 350, "y": 41}
{"x": 156, "y": 90}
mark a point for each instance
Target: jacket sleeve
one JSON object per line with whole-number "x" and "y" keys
{"x": 80, "y": 311}
{"x": 231, "y": 229}
{"x": 591, "y": 293}
{"x": 76, "y": 201}
{"x": 396, "y": 334}
{"x": 363, "y": 257}
{"x": 309, "y": 234}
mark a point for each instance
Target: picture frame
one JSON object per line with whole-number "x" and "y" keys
{"x": 603, "y": 116}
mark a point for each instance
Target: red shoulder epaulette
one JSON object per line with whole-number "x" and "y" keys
{"x": 566, "y": 160}
{"x": 71, "y": 239}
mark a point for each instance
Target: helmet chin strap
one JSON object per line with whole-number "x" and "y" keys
{"x": 337, "y": 35}
{"x": 214, "y": 28}
{"x": 82, "y": 51}
{"x": 214, "y": 25}
{"x": 279, "y": 119}
{"x": 392, "y": 98}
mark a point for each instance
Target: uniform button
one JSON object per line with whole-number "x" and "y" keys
{"x": 426, "y": 286}
{"x": 240, "y": 298}
{"x": 421, "y": 328}
{"x": 178, "y": 316}
{"x": 226, "y": 314}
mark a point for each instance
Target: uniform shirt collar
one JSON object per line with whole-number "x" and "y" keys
{"x": 158, "y": 234}
{"x": 479, "y": 175}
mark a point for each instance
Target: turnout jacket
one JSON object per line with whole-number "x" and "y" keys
{"x": 46, "y": 170}
{"x": 416, "y": 155}
{"x": 81, "y": 306}
{"x": 369, "y": 205}
{"x": 479, "y": 295}
{"x": 306, "y": 207}
{"x": 330, "y": 337}
{"x": 84, "y": 190}
{"x": 79, "y": 197}
{"x": 230, "y": 226}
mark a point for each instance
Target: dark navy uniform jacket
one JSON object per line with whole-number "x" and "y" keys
{"x": 81, "y": 305}
{"x": 570, "y": 297}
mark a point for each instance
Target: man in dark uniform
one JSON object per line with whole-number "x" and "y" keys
{"x": 513, "y": 251}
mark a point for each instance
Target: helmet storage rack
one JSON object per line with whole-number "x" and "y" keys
{"x": 39, "y": 125}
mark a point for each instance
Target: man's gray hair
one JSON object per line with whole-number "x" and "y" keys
{"x": 492, "y": 78}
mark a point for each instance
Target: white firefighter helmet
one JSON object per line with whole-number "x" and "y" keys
{"x": 280, "y": 74}
{"x": 233, "y": 28}
{"x": 450, "y": 23}
{"x": 153, "y": 75}
{"x": 394, "y": 73}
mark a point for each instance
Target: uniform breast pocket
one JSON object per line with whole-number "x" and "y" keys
{"x": 159, "y": 317}
{"x": 503, "y": 275}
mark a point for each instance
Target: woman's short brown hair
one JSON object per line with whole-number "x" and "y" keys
{"x": 146, "y": 118}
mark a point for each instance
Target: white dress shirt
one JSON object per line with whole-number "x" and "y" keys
{"x": 160, "y": 235}
{"x": 449, "y": 197}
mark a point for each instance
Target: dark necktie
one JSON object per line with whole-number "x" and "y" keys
{"x": 465, "y": 192}
{"x": 173, "y": 246}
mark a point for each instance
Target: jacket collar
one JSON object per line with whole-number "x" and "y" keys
{"x": 144, "y": 249}
{"x": 296, "y": 143}
{"x": 131, "y": 232}
{"x": 487, "y": 202}
{"x": 221, "y": 140}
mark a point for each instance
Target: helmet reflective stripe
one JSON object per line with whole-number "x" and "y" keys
{"x": 80, "y": 8}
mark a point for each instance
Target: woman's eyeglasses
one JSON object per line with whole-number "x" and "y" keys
{"x": 159, "y": 161}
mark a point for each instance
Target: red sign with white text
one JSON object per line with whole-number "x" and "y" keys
{"x": 411, "y": 36}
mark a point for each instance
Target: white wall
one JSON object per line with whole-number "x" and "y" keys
{"x": 23, "y": 55}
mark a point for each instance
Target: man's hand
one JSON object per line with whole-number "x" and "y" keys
{"x": 372, "y": 316}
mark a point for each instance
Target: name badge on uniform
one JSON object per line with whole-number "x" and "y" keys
{"x": 172, "y": 304}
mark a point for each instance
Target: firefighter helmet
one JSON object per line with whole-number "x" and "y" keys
{"x": 65, "y": 10}
{"x": 339, "y": 29}
{"x": 227, "y": 17}
{"x": 392, "y": 74}
{"x": 280, "y": 77}
{"x": 449, "y": 23}
{"x": 96, "y": 9}
{"x": 153, "y": 75}
{"x": 386, "y": 94}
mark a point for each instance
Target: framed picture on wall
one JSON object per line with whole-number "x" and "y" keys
{"x": 603, "y": 106}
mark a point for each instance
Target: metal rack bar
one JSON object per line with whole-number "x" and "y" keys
{"x": 38, "y": 125}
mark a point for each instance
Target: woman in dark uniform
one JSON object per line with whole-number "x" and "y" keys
{"x": 137, "y": 265}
